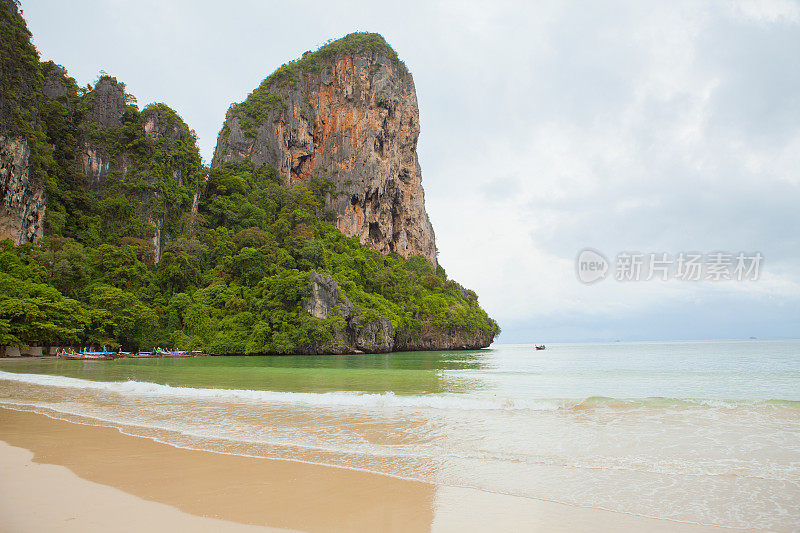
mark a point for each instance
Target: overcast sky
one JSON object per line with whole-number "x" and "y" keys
{"x": 547, "y": 128}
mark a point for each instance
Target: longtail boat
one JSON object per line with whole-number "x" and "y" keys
{"x": 86, "y": 356}
{"x": 144, "y": 355}
{"x": 174, "y": 353}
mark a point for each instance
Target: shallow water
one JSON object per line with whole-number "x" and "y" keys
{"x": 705, "y": 432}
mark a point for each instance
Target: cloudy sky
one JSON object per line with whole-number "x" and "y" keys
{"x": 547, "y": 128}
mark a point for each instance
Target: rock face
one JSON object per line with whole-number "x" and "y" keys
{"x": 23, "y": 202}
{"x": 352, "y": 117}
{"x": 359, "y": 335}
{"x": 158, "y": 126}
{"x": 326, "y": 298}
{"x": 106, "y": 111}
{"x": 163, "y": 126}
{"x": 108, "y": 103}
{"x": 54, "y": 87}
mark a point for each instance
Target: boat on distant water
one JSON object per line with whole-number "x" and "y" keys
{"x": 540, "y": 346}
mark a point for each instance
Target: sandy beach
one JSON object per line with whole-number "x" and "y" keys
{"x": 62, "y": 476}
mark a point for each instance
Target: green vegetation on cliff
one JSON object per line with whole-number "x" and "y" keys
{"x": 150, "y": 179}
{"x": 20, "y": 79}
{"x": 352, "y": 44}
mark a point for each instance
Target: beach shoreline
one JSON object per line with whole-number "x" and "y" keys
{"x": 65, "y": 476}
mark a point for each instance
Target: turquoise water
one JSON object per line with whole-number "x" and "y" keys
{"x": 733, "y": 370}
{"x": 705, "y": 432}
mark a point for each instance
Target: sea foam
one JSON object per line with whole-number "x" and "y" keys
{"x": 387, "y": 399}
{"x": 324, "y": 399}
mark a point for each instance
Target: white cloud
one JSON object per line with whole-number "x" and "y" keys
{"x": 767, "y": 10}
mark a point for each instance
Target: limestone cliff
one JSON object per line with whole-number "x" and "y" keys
{"x": 106, "y": 109}
{"x": 23, "y": 203}
{"x": 232, "y": 259}
{"x": 22, "y": 197}
{"x": 348, "y": 112}
{"x": 142, "y": 155}
{"x": 165, "y": 129}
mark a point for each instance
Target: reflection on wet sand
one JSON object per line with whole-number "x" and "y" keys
{"x": 244, "y": 492}
{"x": 241, "y": 489}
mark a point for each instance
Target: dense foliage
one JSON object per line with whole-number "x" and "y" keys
{"x": 233, "y": 287}
{"x": 150, "y": 178}
{"x": 20, "y": 79}
{"x": 237, "y": 244}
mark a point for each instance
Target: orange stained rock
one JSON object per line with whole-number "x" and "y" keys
{"x": 340, "y": 143}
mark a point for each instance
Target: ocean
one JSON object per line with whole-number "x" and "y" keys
{"x": 700, "y": 432}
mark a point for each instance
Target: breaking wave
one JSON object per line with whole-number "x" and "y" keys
{"x": 385, "y": 399}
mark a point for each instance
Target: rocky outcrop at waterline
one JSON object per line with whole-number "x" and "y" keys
{"x": 437, "y": 338}
{"x": 358, "y": 334}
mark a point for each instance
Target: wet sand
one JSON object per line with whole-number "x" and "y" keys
{"x": 62, "y": 476}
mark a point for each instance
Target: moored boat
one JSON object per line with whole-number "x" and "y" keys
{"x": 174, "y": 353}
{"x": 98, "y": 356}
{"x": 85, "y": 355}
{"x": 144, "y": 355}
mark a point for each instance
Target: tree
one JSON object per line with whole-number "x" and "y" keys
{"x": 131, "y": 322}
